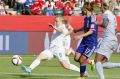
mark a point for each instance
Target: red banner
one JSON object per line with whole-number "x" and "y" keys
{"x": 38, "y": 23}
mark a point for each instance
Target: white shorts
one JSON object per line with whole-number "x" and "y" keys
{"x": 106, "y": 48}
{"x": 58, "y": 52}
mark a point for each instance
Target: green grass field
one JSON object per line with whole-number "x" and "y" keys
{"x": 50, "y": 69}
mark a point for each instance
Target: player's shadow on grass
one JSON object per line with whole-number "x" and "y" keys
{"x": 25, "y": 76}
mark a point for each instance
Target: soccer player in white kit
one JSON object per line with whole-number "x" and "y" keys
{"x": 56, "y": 48}
{"x": 108, "y": 43}
{"x": 67, "y": 38}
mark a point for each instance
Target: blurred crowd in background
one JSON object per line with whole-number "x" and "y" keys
{"x": 53, "y": 7}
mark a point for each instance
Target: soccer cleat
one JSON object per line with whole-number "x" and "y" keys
{"x": 26, "y": 69}
{"x": 85, "y": 74}
{"x": 92, "y": 65}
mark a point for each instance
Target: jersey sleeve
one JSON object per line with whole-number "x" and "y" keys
{"x": 93, "y": 20}
{"x": 105, "y": 18}
{"x": 93, "y": 27}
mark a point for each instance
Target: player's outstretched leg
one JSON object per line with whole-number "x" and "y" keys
{"x": 111, "y": 65}
{"x": 67, "y": 65}
{"x": 99, "y": 60}
{"x": 26, "y": 69}
{"x": 42, "y": 56}
{"x": 99, "y": 69}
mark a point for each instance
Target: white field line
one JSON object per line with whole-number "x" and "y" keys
{"x": 60, "y": 75}
{"x": 36, "y": 56}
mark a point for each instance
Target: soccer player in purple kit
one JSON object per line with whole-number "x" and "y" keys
{"x": 89, "y": 41}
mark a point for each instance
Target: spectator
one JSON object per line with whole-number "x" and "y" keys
{"x": 67, "y": 8}
{"x": 36, "y": 8}
{"x": 81, "y": 3}
{"x": 72, "y": 3}
{"x": 3, "y": 11}
{"x": 59, "y": 7}
{"x": 49, "y": 5}
{"x": 28, "y": 4}
{"x": 106, "y": 1}
{"x": 11, "y": 3}
{"x": 99, "y": 2}
{"x": 76, "y": 9}
{"x": 20, "y": 6}
{"x": 90, "y": 0}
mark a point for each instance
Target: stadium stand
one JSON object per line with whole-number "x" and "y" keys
{"x": 53, "y": 7}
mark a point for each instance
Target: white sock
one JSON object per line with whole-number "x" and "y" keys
{"x": 111, "y": 65}
{"x": 34, "y": 64}
{"x": 67, "y": 59}
{"x": 99, "y": 69}
{"x": 74, "y": 68}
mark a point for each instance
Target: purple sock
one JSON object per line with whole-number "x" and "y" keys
{"x": 82, "y": 70}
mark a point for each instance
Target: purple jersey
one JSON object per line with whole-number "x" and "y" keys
{"x": 89, "y": 43}
{"x": 89, "y": 25}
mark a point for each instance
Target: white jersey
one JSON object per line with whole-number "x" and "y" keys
{"x": 67, "y": 40}
{"x": 57, "y": 37}
{"x": 67, "y": 37}
{"x": 109, "y": 40}
{"x": 109, "y": 32}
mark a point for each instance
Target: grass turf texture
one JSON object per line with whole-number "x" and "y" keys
{"x": 50, "y": 69}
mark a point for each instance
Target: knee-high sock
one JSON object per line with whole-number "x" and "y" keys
{"x": 111, "y": 65}
{"x": 82, "y": 70}
{"x": 99, "y": 69}
{"x": 74, "y": 68}
{"x": 67, "y": 59}
{"x": 34, "y": 64}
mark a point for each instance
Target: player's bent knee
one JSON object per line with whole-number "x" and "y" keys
{"x": 99, "y": 58}
{"x": 75, "y": 59}
{"x": 83, "y": 60}
{"x": 42, "y": 56}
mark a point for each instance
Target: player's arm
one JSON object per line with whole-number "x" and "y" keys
{"x": 87, "y": 33}
{"x": 103, "y": 24}
{"x": 70, "y": 30}
{"x": 84, "y": 35}
{"x": 81, "y": 29}
{"x": 54, "y": 27}
{"x": 91, "y": 31}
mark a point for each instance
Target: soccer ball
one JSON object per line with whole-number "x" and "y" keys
{"x": 17, "y": 60}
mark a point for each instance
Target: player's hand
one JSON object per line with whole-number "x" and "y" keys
{"x": 50, "y": 25}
